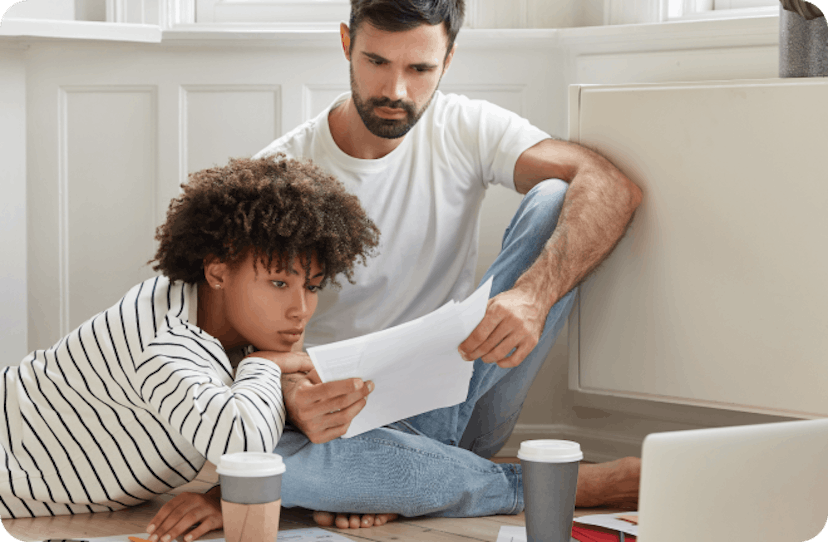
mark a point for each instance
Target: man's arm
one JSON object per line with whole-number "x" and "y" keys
{"x": 597, "y": 209}
{"x": 598, "y": 206}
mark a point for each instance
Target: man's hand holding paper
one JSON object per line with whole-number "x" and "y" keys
{"x": 415, "y": 367}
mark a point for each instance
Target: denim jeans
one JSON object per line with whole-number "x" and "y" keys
{"x": 436, "y": 463}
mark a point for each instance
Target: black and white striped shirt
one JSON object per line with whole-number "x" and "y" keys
{"x": 128, "y": 406}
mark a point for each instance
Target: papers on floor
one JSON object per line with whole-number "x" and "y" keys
{"x": 611, "y": 521}
{"x": 511, "y": 534}
{"x": 514, "y": 534}
{"x": 314, "y": 534}
{"x": 415, "y": 366}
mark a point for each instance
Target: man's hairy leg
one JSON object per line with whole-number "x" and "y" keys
{"x": 352, "y": 521}
{"x": 614, "y": 484}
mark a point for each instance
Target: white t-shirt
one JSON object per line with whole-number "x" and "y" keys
{"x": 425, "y": 198}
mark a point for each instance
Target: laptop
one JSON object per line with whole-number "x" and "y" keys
{"x": 756, "y": 483}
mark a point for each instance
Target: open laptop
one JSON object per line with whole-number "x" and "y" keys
{"x": 756, "y": 483}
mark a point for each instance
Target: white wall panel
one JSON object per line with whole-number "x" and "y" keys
{"x": 223, "y": 121}
{"x": 692, "y": 65}
{"x": 315, "y": 98}
{"x": 13, "y": 281}
{"x": 107, "y": 197}
{"x": 711, "y": 297}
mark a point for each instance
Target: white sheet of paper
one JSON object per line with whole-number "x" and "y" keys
{"x": 515, "y": 534}
{"x": 610, "y": 521}
{"x": 415, "y": 366}
{"x": 314, "y": 534}
{"x": 511, "y": 534}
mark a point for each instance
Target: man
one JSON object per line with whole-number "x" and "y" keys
{"x": 420, "y": 162}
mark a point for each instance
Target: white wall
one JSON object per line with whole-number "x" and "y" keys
{"x": 113, "y": 128}
{"x": 13, "y": 281}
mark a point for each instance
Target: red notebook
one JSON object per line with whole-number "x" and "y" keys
{"x": 597, "y": 534}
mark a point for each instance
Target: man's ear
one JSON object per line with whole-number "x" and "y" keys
{"x": 345, "y": 36}
{"x": 215, "y": 272}
{"x": 449, "y": 56}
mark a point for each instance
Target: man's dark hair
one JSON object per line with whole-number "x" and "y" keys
{"x": 280, "y": 209}
{"x": 400, "y": 15}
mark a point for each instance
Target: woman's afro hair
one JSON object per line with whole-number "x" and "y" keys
{"x": 281, "y": 209}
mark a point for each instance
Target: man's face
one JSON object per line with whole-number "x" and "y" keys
{"x": 394, "y": 75}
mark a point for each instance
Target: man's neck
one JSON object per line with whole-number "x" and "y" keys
{"x": 353, "y": 138}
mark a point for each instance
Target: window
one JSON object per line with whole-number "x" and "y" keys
{"x": 708, "y": 9}
{"x": 289, "y": 13}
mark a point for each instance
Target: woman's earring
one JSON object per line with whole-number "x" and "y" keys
{"x": 217, "y": 286}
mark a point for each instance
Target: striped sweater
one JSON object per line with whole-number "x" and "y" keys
{"x": 128, "y": 406}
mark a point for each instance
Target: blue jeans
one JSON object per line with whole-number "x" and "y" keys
{"x": 435, "y": 463}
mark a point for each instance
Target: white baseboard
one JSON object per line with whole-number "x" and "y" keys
{"x": 598, "y": 445}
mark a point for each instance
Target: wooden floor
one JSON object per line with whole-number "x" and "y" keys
{"x": 136, "y": 519}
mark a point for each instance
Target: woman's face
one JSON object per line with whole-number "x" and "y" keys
{"x": 269, "y": 308}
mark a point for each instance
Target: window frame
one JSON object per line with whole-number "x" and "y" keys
{"x": 683, "y": 10}
{"x": 284, "y": 13}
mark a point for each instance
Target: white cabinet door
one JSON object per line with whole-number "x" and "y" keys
{"x": 717, "y": 295}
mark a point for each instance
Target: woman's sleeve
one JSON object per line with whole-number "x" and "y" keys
{"x": 186, "y": 380}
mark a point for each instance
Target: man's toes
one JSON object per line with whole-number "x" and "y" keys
{"x": 325, "y": 519}
{"x": 368, "y": 520}
{"x": 355, "y": 523}
{"x": 342, "y": 521}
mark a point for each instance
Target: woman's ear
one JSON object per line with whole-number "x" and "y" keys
{"x": 215, "y": 272}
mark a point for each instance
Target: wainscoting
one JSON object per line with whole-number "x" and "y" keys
{"x": 111, "y": 129}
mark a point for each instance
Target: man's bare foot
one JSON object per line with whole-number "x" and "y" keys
{"x": 614, "y": 484}
{"x": 352, "y": 521}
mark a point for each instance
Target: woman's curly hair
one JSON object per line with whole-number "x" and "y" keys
{"x": 280, "y": 208}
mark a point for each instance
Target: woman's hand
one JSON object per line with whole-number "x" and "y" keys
{"x": 199, "y": 512}
{"x": 288, "y": 362}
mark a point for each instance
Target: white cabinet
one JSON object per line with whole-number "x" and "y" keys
{"x": 717, "y": 295}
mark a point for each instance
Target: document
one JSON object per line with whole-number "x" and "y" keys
{"x": 415, "y": 366}
{"x": 515, "y": 534}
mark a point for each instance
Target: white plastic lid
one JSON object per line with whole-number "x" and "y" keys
{"x": 550, "y": 451}
{"x": 250, "y": 465}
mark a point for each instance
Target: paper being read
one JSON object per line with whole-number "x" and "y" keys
{"x": 415, "y": 366}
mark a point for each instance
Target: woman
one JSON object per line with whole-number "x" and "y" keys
{"x": 132, "y": 403}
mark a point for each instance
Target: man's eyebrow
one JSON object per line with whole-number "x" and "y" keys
{"x": 424, "y": 66}
{"x": 316, "y": 276}
{"x": 419, "y": 66}
{"x": 374, "y": 56}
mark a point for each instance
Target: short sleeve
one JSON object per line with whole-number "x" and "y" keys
{"x": 186, "y": 380}
{"x": 499, "y": 135}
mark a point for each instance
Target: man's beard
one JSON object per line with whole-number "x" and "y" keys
{"x": 387, "y": 128}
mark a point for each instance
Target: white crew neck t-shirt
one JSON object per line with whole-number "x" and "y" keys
{"x": 425, "y": 198}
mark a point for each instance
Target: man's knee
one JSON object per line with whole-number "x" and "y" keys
{"x": 548, "y": 197}
{"x": 538, "y": 213}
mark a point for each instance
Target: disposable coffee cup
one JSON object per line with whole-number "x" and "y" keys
{"x": 550, "y": 478}
{"x": 251, "y": 496}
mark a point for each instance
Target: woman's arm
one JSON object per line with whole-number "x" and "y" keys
{"x": 185, "y": 379}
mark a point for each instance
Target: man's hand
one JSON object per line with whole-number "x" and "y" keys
{"x": 514, "y": 320}
{"x": 288, "y": 362}
{"x": 201, "y": 513}
{"x": 323, "y": 412}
